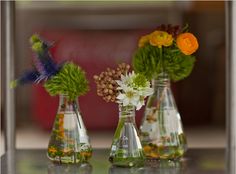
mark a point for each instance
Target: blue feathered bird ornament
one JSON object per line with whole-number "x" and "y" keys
{"x": 44, "y": 67}
{"x": 65, "y": 78}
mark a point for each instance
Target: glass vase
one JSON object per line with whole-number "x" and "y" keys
{"x": 126, "y": 148}
{"x": 69, "y": 142}
{"x": 161, "y": 130}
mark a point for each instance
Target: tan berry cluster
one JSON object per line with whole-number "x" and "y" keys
{"x": 106, "y": 82}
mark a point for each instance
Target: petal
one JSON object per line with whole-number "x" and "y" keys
{"x": 121, "y": 96}
{"x": 133, "y": 102}
{"x": 148, "y": 91}
{"x": 138, "y": 106}
{"x": 126, "y": 101}
{"x": 119, "y": 82}
{"x": 136, "y": 96}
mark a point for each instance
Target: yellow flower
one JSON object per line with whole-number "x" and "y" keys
{"x": 143, "y": 40}
{"x": 86, "y": 154}
{"x": 154, "y": 155}
{"x": 52, "y": 150}
{"x": 147, "y": 149}
{"x": 67, "y": 150}
{"x": 160, "y": 38}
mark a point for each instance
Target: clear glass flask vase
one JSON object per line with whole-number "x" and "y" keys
{"x": 161, "y": 130}
{"x": 126, "y": 148}
{"x": 69, "y": 142}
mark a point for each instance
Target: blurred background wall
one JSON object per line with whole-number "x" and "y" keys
{"x": 100, "y": 34}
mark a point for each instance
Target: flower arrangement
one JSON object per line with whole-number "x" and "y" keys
{"x": 166, "y": 50}
{"x": 129, "y": 90}
{"x": 65, "y": 78}
{"x": 163, "y": 55}
{"x": 69, "y": 81}
{"x": 123, "y": 87}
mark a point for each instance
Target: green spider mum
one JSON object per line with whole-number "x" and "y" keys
{"x": 140, "y": 81}
{"x": 70, "y": 81}
{"x": 147, "y": 61}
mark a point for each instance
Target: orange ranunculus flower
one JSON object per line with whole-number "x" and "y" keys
{"x": 160, "y": 38}
{"x": 143, "y": 40}
{"x": 52, "y": 150}
{"x": 187, "y": 43}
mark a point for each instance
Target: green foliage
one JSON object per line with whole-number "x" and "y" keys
{"x": 185, "y": 28}
{"x": 37, "y": 44}
{"x": 37, "y": 47}
{"x": 177, "y": 64}
{"x": 34, "y": 38}
{"x": 70, "y": 81}
{"x": 147, "y": 61}
{"x": 140, "y": 81}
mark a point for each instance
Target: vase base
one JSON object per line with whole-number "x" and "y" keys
{"x": 154, "y": 152}
{"x": 127, "y": 162}
{"x": 77, "y": 157}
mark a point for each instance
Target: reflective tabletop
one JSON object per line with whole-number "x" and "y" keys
{"x": 196, "y": 161}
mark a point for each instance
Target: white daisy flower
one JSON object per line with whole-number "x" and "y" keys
{"x": 129, "y": 97}
{"x": 133, "y": 89}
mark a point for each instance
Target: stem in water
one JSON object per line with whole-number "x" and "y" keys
{"x": 76, "y": 112}
{"x": 162, "y": 60}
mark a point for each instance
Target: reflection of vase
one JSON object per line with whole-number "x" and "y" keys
{"x": 126, "y": 149}
{"x": 83, "y": 168}
{"x": 69, "y": 142}
{"x": 123, "y": 170}
{"x": 165, "y": 167}
{"x": 162, "y": 167}
{"x": 161, "y": 130}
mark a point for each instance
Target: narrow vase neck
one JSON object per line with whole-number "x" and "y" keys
{"x": 162, "y": 80}
{"x": 126, "y": 111}
{"x": 66, "y": 105}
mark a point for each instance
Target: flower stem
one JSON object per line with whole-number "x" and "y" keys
{"x": 162, "y": 60}
{"x": 76, "y": 112}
